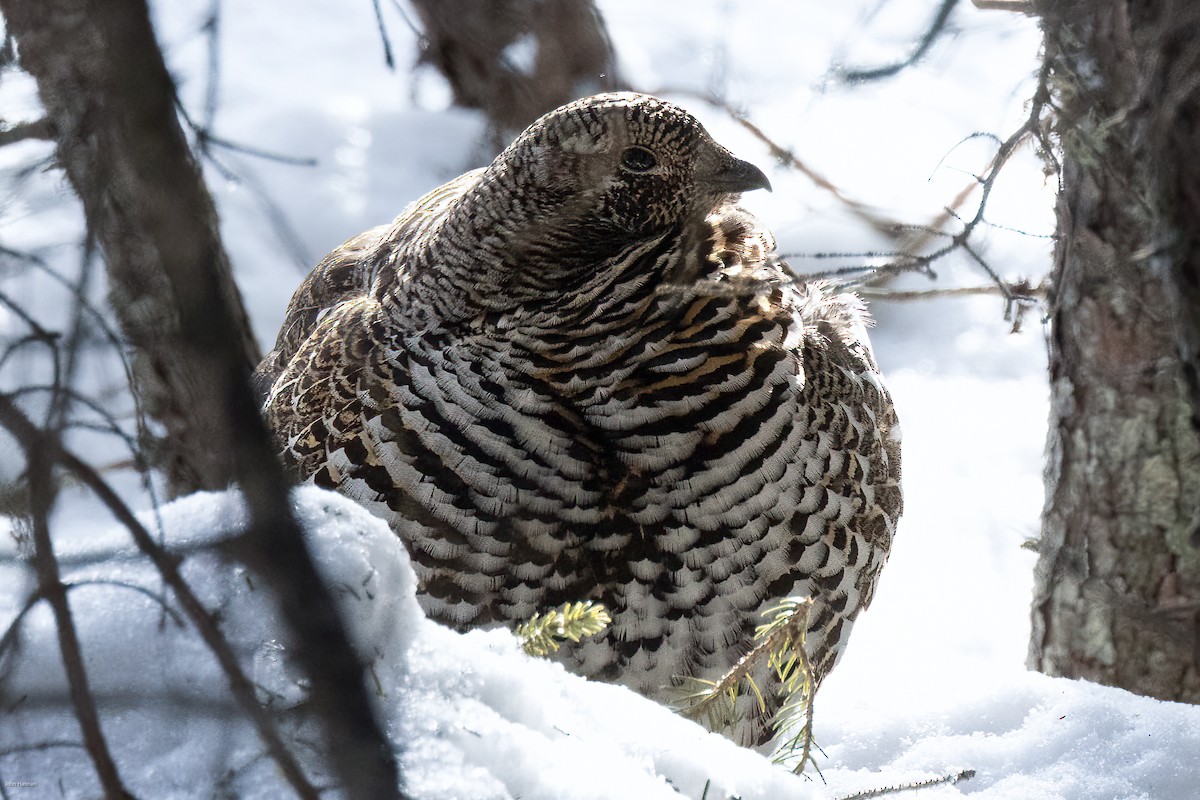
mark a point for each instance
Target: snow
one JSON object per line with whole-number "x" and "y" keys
{"x": 933, "y": 681}
{"x": 470, "y": 716}
{"x": 1028, "y": 736}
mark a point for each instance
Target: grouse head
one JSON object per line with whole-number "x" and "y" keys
{"x": 626, "y": 166}
{"x": 557, "y": 216}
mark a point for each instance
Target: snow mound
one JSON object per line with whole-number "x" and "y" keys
{"x": 470, "y": 716}
{"x": 1027, "y": 737}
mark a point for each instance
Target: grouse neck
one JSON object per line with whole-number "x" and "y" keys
{"x": 492, "y": 254}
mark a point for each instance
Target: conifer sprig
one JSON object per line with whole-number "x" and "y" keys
{"x": 793, "y": 722}
{"x": 779, "y": 643}
{"x": 541, "y": 634}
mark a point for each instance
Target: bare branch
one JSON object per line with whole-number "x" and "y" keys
{"x": 44, "y": 129}
{"x": 109, "y": 424}
{"x": 935, "y": 30}
{"x": 47, "y": 745}
{"x": 206, "y": 142}
{"x": 97, "y": 316}
{"x": 911, "y": 238}
{"x": 285, "y": 233}
{"x": 388, "y": 58}
{"x": 10, "y": 633}
{"x": 39, "y": 333}
{"x": 1030, "y": 128}
{"x": 787, "y": 157}
{"x": 893, "y": 229}
{"x": 156, "y": 598}
{"x": 205, "y": 139}
{"x": 212, "y": 34}
{"x": 872, "y": 293}
{"x": 408, "y": 20}
{"x": 952, "y": 778}
{"x": 39, "y": 446}
{"x": 75, "y": 336}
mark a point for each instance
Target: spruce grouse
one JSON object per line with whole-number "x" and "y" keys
{"x": 580, "y": 374}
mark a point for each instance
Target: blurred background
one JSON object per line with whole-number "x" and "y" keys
{"x": 315, "y": 121}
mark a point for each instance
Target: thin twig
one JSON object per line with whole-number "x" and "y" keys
{"x": 871, "y": 293}
{"x": 935, "y": 30}
{"x": 995, "y": 276}
{"x": 908, "y": 261}
{"x": 10, "y": 633}
{"x": 1031, "y": 127}
{"x": 951, "y": 779}
{"x": 158, "y": 599}
{"x": 47, "y": 745}
{"x": 212, "y": 33}
{"x": 881, "y": 224}
{"x": 404, "y": 15}
{"x": 40, "y": 333}
{"x": 39, "y": 446}
{"x": 12, "y": 347}
{"x": 56, "y": 414}
{"x": 110, "y": 423}
{"x": 60, "y": 390}
{"x": 205, "y": 137}
{"x": 949, "y": 212}
{"x": 97, "y": 316}
{"x": 388, "y": 58}
{"x": 109, "y": 335}
{"x": 829, "y": 254}
{"x": 785, "y": 156}
{"x": 284, "y": 232}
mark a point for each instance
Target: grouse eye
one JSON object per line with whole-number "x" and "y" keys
{"x": 638, "y": 159}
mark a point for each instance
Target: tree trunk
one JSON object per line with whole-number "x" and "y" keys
{"x": 1117, "y": 587}
{"x": 104, "y": 86}
{"x": 517, "y": 59}
{"x": 102, "y": 80}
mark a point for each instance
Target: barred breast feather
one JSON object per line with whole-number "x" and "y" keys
{"x": 581, "y": 373}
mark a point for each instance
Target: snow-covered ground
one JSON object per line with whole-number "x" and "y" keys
{"x": 933, "y": 681}
{"x": 470, "y": 716}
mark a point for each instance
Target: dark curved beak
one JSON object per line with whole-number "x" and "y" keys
{"x": 733, "y": 175}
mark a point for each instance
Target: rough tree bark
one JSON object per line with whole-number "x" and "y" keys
{"x": 1117, "y": 593}
{"x": 140, "y": 198}
{"x": 517, "y": 59}
{"x": 105, "y": 87}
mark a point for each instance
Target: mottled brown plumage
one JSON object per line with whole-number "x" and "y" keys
{"x": 580, "y": 374}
